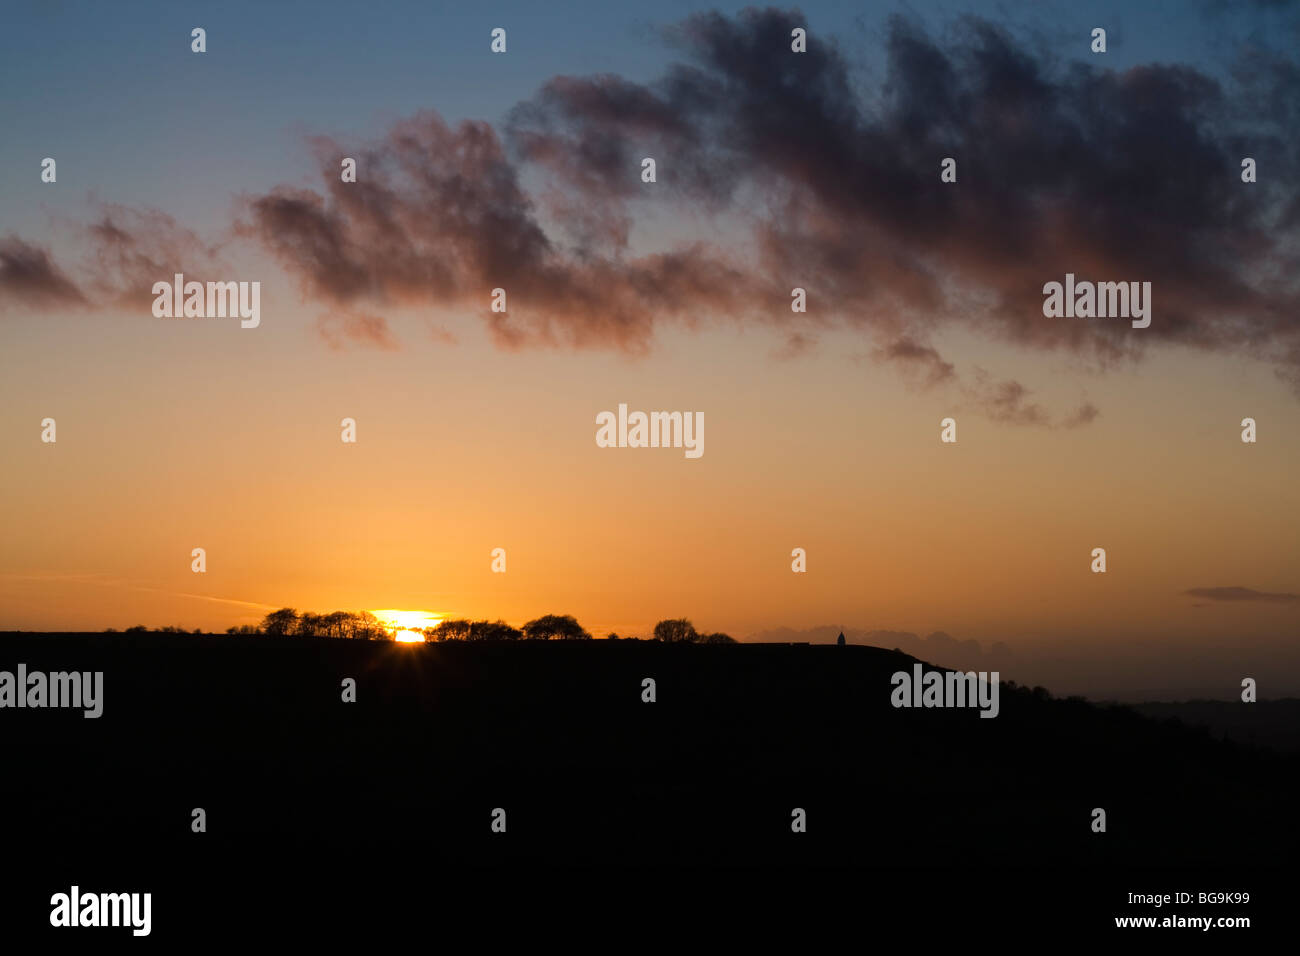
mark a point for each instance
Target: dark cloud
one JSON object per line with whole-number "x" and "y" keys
{"x": 1130, "y": 176}
{"x": 131, "y": 249}
{"x": 916, "y": 358}
{"x": 1242, "y": 594}
{"x": 124, "y": 251}
{"x": 438, "y": 216}
{"x": 819, "y": 182}
{"x": 1005, "y": 402}
{"x": 30, "y": 277}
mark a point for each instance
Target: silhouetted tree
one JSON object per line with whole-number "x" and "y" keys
{"x": 311, "y": 625}
{"x": 718, "y": 638}
{"x": 493, "y": 631}
{"x": 449, "y": 630}
{"x": 337, "y": 624}
{"x": 366, "y": 627}
{"x": 555, "y": 627}
{"x": 244, "y": 629}
{"x": 840, "y": 639}
{"x": 281, "y": 622}
{"x": 676, "y": 631}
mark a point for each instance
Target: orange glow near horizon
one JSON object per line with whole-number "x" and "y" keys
{"x": 407, "y": 626}
{"x": 988, "y": 539}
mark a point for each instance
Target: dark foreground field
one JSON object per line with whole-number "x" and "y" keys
{"x": 326, "y": 809}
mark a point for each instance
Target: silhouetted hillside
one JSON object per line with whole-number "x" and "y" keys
{"x": 253, "y": 730}
{"x": 558, "y": 735}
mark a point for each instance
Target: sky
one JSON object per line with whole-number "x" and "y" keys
{"x": 775, "y": 170}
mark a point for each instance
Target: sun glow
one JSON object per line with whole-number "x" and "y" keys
{"x": 407, "y": 627}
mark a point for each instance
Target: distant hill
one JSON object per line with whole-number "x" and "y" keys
{"x": 1265, "y": 723}
{"x": 1109, "y": 668}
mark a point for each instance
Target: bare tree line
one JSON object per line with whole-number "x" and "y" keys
{"x": 362, "y": 625}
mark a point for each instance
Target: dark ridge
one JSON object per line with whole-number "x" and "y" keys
{"x": 253, "y": 730}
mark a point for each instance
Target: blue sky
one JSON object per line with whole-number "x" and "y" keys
{"x": 113, "y": 92}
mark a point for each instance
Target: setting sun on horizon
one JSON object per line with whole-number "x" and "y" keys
{"x": 407, "y": 626}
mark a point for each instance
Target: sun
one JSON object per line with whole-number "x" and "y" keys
{"x": 407, "y": 627}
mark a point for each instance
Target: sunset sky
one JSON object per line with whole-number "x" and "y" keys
{"x": 775, "y": 170}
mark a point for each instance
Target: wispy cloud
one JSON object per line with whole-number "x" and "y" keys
{"x": 818, "y": 182}
{"x": 103, "y": 579}
{"x": 1007, "y": 402}
{"x": 341, "y": 328}
{"x": 917, "y": 360}
{"x": 123, "y": 252}
{"x": 28, "y": 276}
